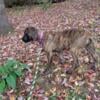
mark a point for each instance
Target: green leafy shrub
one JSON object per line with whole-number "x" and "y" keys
{"x": 9, "y": 72}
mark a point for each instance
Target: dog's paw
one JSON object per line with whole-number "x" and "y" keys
{"x": 47, "y": 71}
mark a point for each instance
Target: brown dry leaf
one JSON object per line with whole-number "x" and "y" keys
{"x": 88, "y": 97}
{"x": 47, "y": 93}
{"x": 53, "y": 90}
{"x": 72, "y": 79}
{"x": 66, "y": 65}
{"x": 55, "y": 62}
{"x": 12, "y": 97}
{"x": 90, "y": 75}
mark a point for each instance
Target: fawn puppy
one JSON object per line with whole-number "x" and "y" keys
{"x": 73, "y": 39}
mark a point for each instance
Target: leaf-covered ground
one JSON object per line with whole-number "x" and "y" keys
{"x": 58, "y": 85}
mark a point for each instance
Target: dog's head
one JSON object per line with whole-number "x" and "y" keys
{"x": 30, "y": 34}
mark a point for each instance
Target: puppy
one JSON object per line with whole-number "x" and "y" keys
{"x": 72, "y": 39}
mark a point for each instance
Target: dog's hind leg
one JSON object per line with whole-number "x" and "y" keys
{"x": 75, "y": 63}
{"x": 91, "y": 52}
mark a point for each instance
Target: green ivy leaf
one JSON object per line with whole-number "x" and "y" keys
{"x": 10, "y": 64}
{"x": 14, "y": 75}
{"x": 2, "y": 86}
{"x": 53, "y": 97}
{"x": 3, "y": 73}
{"x": 18, "y": 72}
{"x": 11, "y": 81}
{"x": 21, "y": 65}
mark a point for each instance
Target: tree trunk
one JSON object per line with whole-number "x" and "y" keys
{"x": 5, "y": 26}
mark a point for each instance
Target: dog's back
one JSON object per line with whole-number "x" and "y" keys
{"x": 69, "y": 38}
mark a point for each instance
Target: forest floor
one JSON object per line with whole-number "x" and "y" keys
{"x": 84, "y": 83}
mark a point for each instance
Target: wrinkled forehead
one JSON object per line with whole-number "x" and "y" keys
{"x": 30, "y": 30}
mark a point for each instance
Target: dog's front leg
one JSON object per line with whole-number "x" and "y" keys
{"x": 48, "y": 70}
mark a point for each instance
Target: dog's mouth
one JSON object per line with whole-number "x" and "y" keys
{"x": 26, "y": 39}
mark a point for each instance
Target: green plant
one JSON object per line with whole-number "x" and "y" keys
{"x": 53, "y": 97}
{"x": 9, "y": 72}
{"x": 72, "y": 95}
